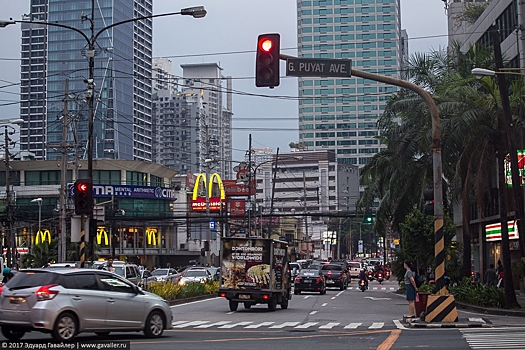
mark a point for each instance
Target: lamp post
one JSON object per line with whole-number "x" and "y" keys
{"x": 11, "y": 235}
{"x": 39, "y": 201}
{"x": 195, "y": 12}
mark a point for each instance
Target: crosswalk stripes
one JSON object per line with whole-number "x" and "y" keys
{"x": 273, "y": 325}
{"x": 495, "y": 338}
{"x": 374, "y": 288}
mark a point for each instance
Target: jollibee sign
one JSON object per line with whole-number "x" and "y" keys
{"x": 215, "y": 203}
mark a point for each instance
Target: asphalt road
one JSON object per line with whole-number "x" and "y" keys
{"x": 348, "y": 319}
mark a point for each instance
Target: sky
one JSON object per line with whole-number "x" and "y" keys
{"x": 228, "y": 36}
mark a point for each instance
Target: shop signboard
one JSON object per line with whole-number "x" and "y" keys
{"x": 493, "y": 231}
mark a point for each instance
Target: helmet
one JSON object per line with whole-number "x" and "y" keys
{"x": 362, "y": 270}
{"x": 7, "y": 271}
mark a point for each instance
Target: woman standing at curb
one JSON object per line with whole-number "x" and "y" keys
{"x": 411, "y": 289}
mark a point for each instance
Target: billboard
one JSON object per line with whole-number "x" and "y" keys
{"x": 493, "y": 231}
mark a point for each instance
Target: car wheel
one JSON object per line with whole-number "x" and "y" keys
{"x": 342, "y": 287}
{"x": 154, "y": 325}
{"x": 234, "y": 305}
{"x": 296, "y": 292}
{"x": 66, "y": 327}
{"x": 12, "y": 333}
{"x": 247, "y": 305}
{"x": 101, "y": 334}
{"x": 272, "y": 304}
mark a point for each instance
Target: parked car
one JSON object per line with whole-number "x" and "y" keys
{"x": 128, "y": 271}
{"x": 196, "y": 274}
{"x": 310, "y": 281}
{"x": 335, "y": 276}
{"x": 66, "y": 301}
{"x": 166, "y": 275}
{"x": 146, "y": 278}
{"x": 353, "y": 268}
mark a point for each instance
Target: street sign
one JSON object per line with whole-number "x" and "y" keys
{"x": 212, "y": 225}
{"x": 318, "y": 67}
{"x": 360, "y": 246}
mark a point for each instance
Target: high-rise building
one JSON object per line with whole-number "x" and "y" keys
{"x": 122, "y": 75}
{"x": 340, "y": 114}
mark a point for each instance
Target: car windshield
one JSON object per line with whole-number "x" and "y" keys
{"x": 160, "y": 272}
{"x": 29, "y": 279}
{"x": 355, "y": 265}
{"x": 331, "y": 267}
{"x": 195, "y": 273}
{"x": 119, "y": 270}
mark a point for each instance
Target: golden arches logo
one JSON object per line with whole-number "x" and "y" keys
{"x": 151, "y": 234}
{"x": 215, "y": 203}
{"x": 102, "y": 231}
{"x": 42, "y": 235}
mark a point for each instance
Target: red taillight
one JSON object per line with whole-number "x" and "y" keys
{"x": 222, "y": 295}
{"x": 1, "y": 288}
{"x": 329, "y": 272}
{"x": 380, "y": 275}
{"x": 318, "y": 280}
{"x": 297, "y": 279}
{"x": 44, "y": 293}
{"x": 265, "y": 297}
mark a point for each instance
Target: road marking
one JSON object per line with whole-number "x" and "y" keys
{"x": 262, "y": 324}
{"x": 476, "y": 319}
{"x": 374, "y": 288}
{"x": 399, "y": 325}
{"x": 352, "y": 326}
{"x": 306, "y": 325}
{"x": 313, "y": 312}
{"x": 377, "y": 325}
{"x": 383, "y": 288}
{"x": 307, "y": 296}
{"x": 332, "y": 298}
{"x": 235, "y": 324}
{"x": 324, "y": 304}
{"x": 374, "y": 298}
{"x": 178, "y": 322}
{"x": 193, "y": 323}
{"x": 285, "y": 324}
{"x": 329, "y": 325}
{"x": 220, "y": 323}
{"x": 341, "y": 292}
{"x": 390, "y": 340}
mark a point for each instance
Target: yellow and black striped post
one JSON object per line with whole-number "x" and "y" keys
{"x": 82, "y": 252}
{"x": 441, "y": 306}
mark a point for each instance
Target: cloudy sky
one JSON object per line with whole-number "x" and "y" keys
{"x": 228, "y": 35}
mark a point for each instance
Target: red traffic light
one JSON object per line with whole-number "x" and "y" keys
{"x": 266, "y": 44}
{"x": 82, "y": 187}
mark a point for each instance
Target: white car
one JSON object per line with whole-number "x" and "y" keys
{"x": 166, "y": 275}
{"x": 354, "y": 267}
{"x": 193, "y": 275}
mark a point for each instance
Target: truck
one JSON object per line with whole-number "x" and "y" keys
{"x": 255, "y": 271}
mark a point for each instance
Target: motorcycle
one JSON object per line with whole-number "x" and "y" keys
{"x": 387, "y": 275}
{"x": 370, "y": 275}
{"x": 362, "y": 285}
{"x": 380, "y": 277}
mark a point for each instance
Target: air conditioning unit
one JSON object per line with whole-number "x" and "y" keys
{"x": 183, "y": 246}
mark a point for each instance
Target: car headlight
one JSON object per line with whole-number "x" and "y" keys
{"x": 182, "y": 282}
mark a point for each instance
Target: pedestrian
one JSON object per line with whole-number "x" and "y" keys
{"x": 109, "y": 266}
{"x": 501, "y": 275}
{"x": 490, "y": 276}
{"x": 8, "y": 274}
{"x": 411, "y": 289}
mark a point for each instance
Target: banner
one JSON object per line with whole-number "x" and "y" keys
{"x": 102, "y": 231}
{"x": 493, "y": 231}
{"x": 42, "y": 235}
{"x": 214, "y": 203}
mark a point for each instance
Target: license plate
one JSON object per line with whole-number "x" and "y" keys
{"x": 307, "y": 281}
{"x": 16, "y": 300}
{"x": 244, "y": 296}
{"x": 330, "y": 282}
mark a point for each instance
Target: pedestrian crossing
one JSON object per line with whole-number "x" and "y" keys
{"x": 495, "y": 338}
{"x": 375, "y": 288}
{"x": 291, "y": 325}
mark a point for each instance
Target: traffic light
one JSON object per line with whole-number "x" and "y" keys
{"x": 369, "y": 218}
{"x": 83, "y": 193}
{"x": 267, "y": 60}
{"x": 428, "y": 195}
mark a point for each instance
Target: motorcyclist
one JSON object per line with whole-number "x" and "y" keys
{"x": 379, "y": 270}
{"x": 362, "y": 277}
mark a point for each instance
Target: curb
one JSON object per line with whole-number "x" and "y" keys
{"x": 491, "y": 311}
{"x": 189, "y": 300}
{"x": 446, "y": 325}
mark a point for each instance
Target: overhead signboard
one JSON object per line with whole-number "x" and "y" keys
{"x": 318, "y": 67}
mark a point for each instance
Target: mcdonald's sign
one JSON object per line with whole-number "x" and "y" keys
{"x": 215, "y": 203}
{"x": 42, "y": 235}
{"x": 101, "y": 231}
{"x": 151, "y": 234}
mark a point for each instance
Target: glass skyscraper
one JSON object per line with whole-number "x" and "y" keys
{"x": 341, "y": 113}
{"x": 51, "y": 55}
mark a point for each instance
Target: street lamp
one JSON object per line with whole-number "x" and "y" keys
{"x": 39, "y": 201}
{"x": 11, "y": 235}
{"x": 195, "y": 12}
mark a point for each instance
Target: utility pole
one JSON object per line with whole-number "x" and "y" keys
{"x": 250, "y": 185}
{"x": 207, "y": 161}
{"x": 11, "y": 244}
{"x": 63, "y": 179}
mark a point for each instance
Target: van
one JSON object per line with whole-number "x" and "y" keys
{"x": 128, "y": 271}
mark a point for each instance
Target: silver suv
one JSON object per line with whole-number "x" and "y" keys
{"x": 67, "y": 301}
